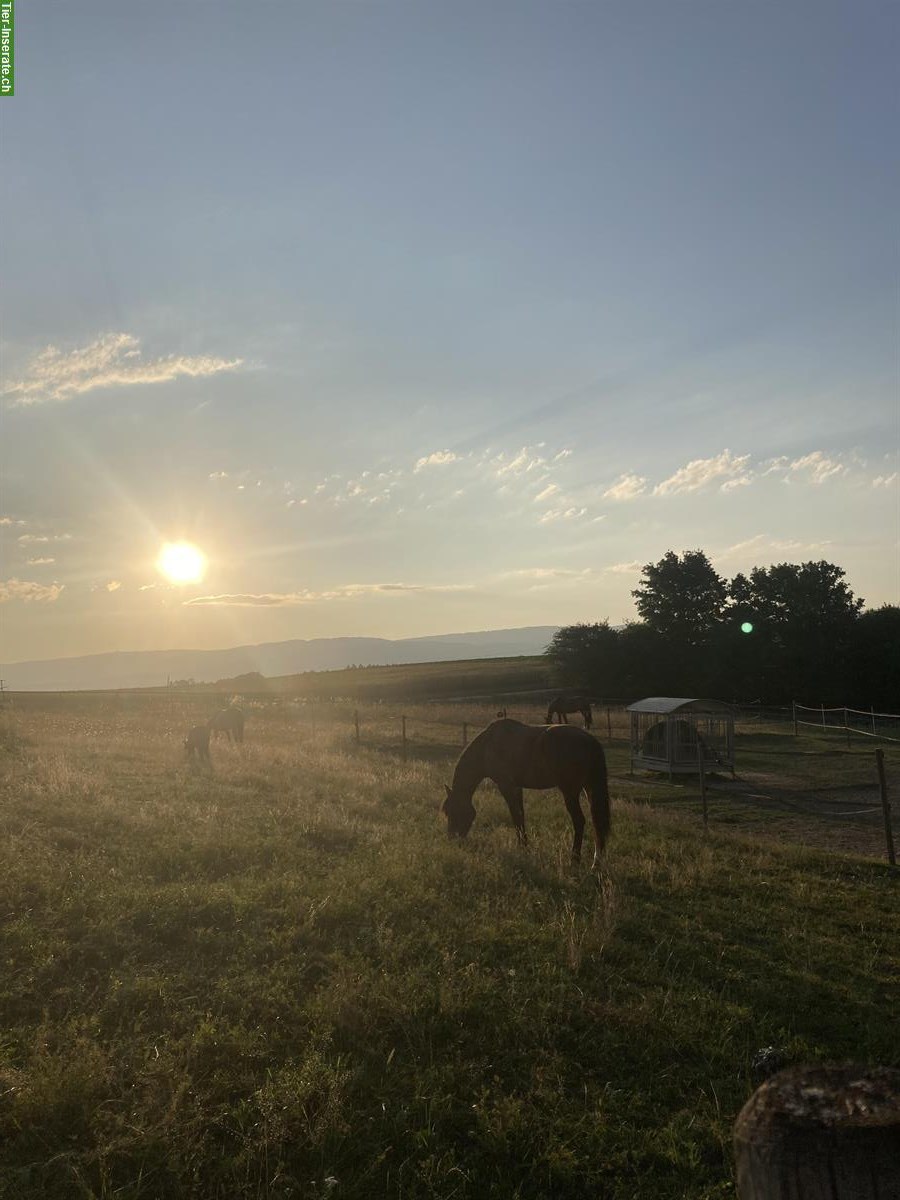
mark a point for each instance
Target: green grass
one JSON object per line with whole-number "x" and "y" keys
{"x": 258, "y": 980}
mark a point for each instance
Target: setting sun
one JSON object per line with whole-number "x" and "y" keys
{"x": 181, "y": 562}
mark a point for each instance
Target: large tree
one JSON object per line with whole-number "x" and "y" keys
{"x": 681, "y": 598}
{"x": 589, "y": 657}
{"x": 875, "y": 660}
{"x": 804, "y": 616}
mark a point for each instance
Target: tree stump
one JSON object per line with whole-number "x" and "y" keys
{"x": 821, "y": 1133}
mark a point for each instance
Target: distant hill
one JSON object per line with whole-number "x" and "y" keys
{"x": 152, "y": 668}
{"x": 500, "y": 678}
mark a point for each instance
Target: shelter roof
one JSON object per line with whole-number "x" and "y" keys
{"x": 663, "y": 705}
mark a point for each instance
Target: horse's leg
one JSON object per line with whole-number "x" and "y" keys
{"x": 600, "y": 821}
{"x": 573, "y": 804}
{"x": 564, "y": 717}
{"x": 516, "y": 803}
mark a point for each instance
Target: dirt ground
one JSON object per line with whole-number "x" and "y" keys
{"x": 844, "y": 818}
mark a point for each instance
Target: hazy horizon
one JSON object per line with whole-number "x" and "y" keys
{"x": 419, "y": 319}
{"x": 351, "y": 637}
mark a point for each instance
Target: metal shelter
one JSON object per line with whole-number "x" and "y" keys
{"x": 670, "y": 733}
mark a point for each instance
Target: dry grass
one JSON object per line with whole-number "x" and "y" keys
{"x": 276, "y": 977}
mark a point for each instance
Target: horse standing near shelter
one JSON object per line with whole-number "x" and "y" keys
{"x": 561, "y": 706}
{"x": 517, "y": 756}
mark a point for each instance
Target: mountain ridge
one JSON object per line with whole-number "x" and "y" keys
{"x": 152, "y": 668}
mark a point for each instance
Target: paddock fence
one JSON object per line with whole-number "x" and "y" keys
{"x": 857, "y": 722}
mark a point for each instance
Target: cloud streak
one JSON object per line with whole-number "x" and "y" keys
{"x": 730, "y": 470}
{"x": 29, "y": 591}
{"x": 306, "y": 596}
{"x": 626, "y": 487}
{"x": 112, "y": 360}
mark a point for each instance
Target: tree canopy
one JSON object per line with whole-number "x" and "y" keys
{"x": 790, "y": 631}
{"x": 682, "y": 597}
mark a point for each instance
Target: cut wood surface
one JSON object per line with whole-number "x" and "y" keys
{"x": 821, "y": 1133}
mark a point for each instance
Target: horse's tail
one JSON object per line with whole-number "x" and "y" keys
{"x": 598, "y": 792}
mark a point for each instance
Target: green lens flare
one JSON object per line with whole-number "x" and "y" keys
{"x": 747, "y": 627}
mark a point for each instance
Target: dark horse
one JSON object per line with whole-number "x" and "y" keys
{"x": 229, "y": 721}
{"x": 562, "y": 705}
{"x": 517, "y": 756}
{"x": 197, "y": 742}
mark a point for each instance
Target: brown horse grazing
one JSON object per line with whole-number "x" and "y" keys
{"x": 517, "y": 756}
{"x": 562, "y": 705}
{"x": 197, "y": 742}
{"x": 229, "y": 721}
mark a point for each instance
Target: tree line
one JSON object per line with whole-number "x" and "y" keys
{"x": 780, "y": 633}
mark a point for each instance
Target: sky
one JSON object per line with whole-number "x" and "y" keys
{"x": 420, "y": 318}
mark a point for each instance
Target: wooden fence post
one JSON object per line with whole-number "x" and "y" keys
{"x": 403, "y": 738}
{"x": 794, "y": 714}
{"x": 823, "y": 716}
{"x": 874, "y": 731}
{"x": 608, "y": 725}
{"x": 702, "y": 770}
{"x": 356, "y": 723}
{"x": 885, "y": 808}
{"x": 847, "y": 725}
{"x": 465, "y": 733}
{"x": 821, "y": 1133}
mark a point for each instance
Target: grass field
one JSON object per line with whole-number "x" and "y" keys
{"x": 277, "y": 978}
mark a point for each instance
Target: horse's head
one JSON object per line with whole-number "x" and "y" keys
{"x": 460, "y": 813}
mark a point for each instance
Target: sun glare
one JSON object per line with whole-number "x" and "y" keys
{"x": 181, "y": 562}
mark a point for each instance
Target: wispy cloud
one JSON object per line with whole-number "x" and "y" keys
{"x": 816, "y": 467}
{"x": 527, "y": 459}
{"x": 626, "y": 487}
{"x": 572, "y": 513}
{"x": 40, "y": 562}
{"x": 765, "y": 546}
{"x": 10, "y": 521}
{"x": 33, "y": 539}
{"x": 305, "y": 596}
{"x": 626, "y": 568}
{"x": 545, "y": 494}
{"x": 29, "y": 591}
{"x": 438, "y": 459}
{"x": 727, "y": 468}
{"x": 112, "y": 360}
{"x": 547, "y": 576}
{"x": 886, "y": 481}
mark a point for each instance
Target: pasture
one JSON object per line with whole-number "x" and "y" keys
{"x": 278, "y": 978}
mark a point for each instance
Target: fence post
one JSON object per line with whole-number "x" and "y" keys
{"x": 403, "y": 738}
{"x": 465, "y": 733}
{"x": 823, "y": 716}
{"x": 885, "y": 808}
{"x": 872, "y": 708}
{"x": 847, "y": 725}
{"x": 702, "y": 770}
{"x": 608, "y": 725}
{"x": 356, "y": 723}
{"x": 820, "y": 1133}
{"x": 794, "y": 715}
